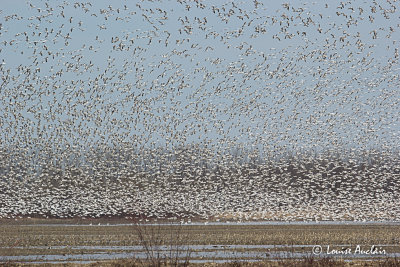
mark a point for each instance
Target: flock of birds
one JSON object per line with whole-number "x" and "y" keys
{"x": 195, "y": 109}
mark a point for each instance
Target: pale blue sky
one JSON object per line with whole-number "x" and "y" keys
{"x": 161, "y": 72}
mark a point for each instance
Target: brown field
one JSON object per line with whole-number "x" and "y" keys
{"x": 67, "y": 237}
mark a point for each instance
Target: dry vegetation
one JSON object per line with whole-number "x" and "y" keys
{"x": 230, "y": 234}
{"x": 305, "y": 262}
{"x": 178, "y": 239}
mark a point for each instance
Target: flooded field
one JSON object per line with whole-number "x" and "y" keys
{"x": 196, "y": 243}
{"x": 207, "y": 254}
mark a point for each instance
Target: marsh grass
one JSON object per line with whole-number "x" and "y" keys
{"x": 390, "y": 262}
{"x": 310, "y": 261}
{"x": 176, "y": 251}
{"x": 10, "y": 251}
{"x": 176, "y": 239}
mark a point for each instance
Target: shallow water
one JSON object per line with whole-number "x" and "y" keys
{"x": 214, "y": 253}
{"x": 209, "y": 256}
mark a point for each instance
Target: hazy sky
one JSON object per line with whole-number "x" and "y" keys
{"x": 306, "y": 75}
